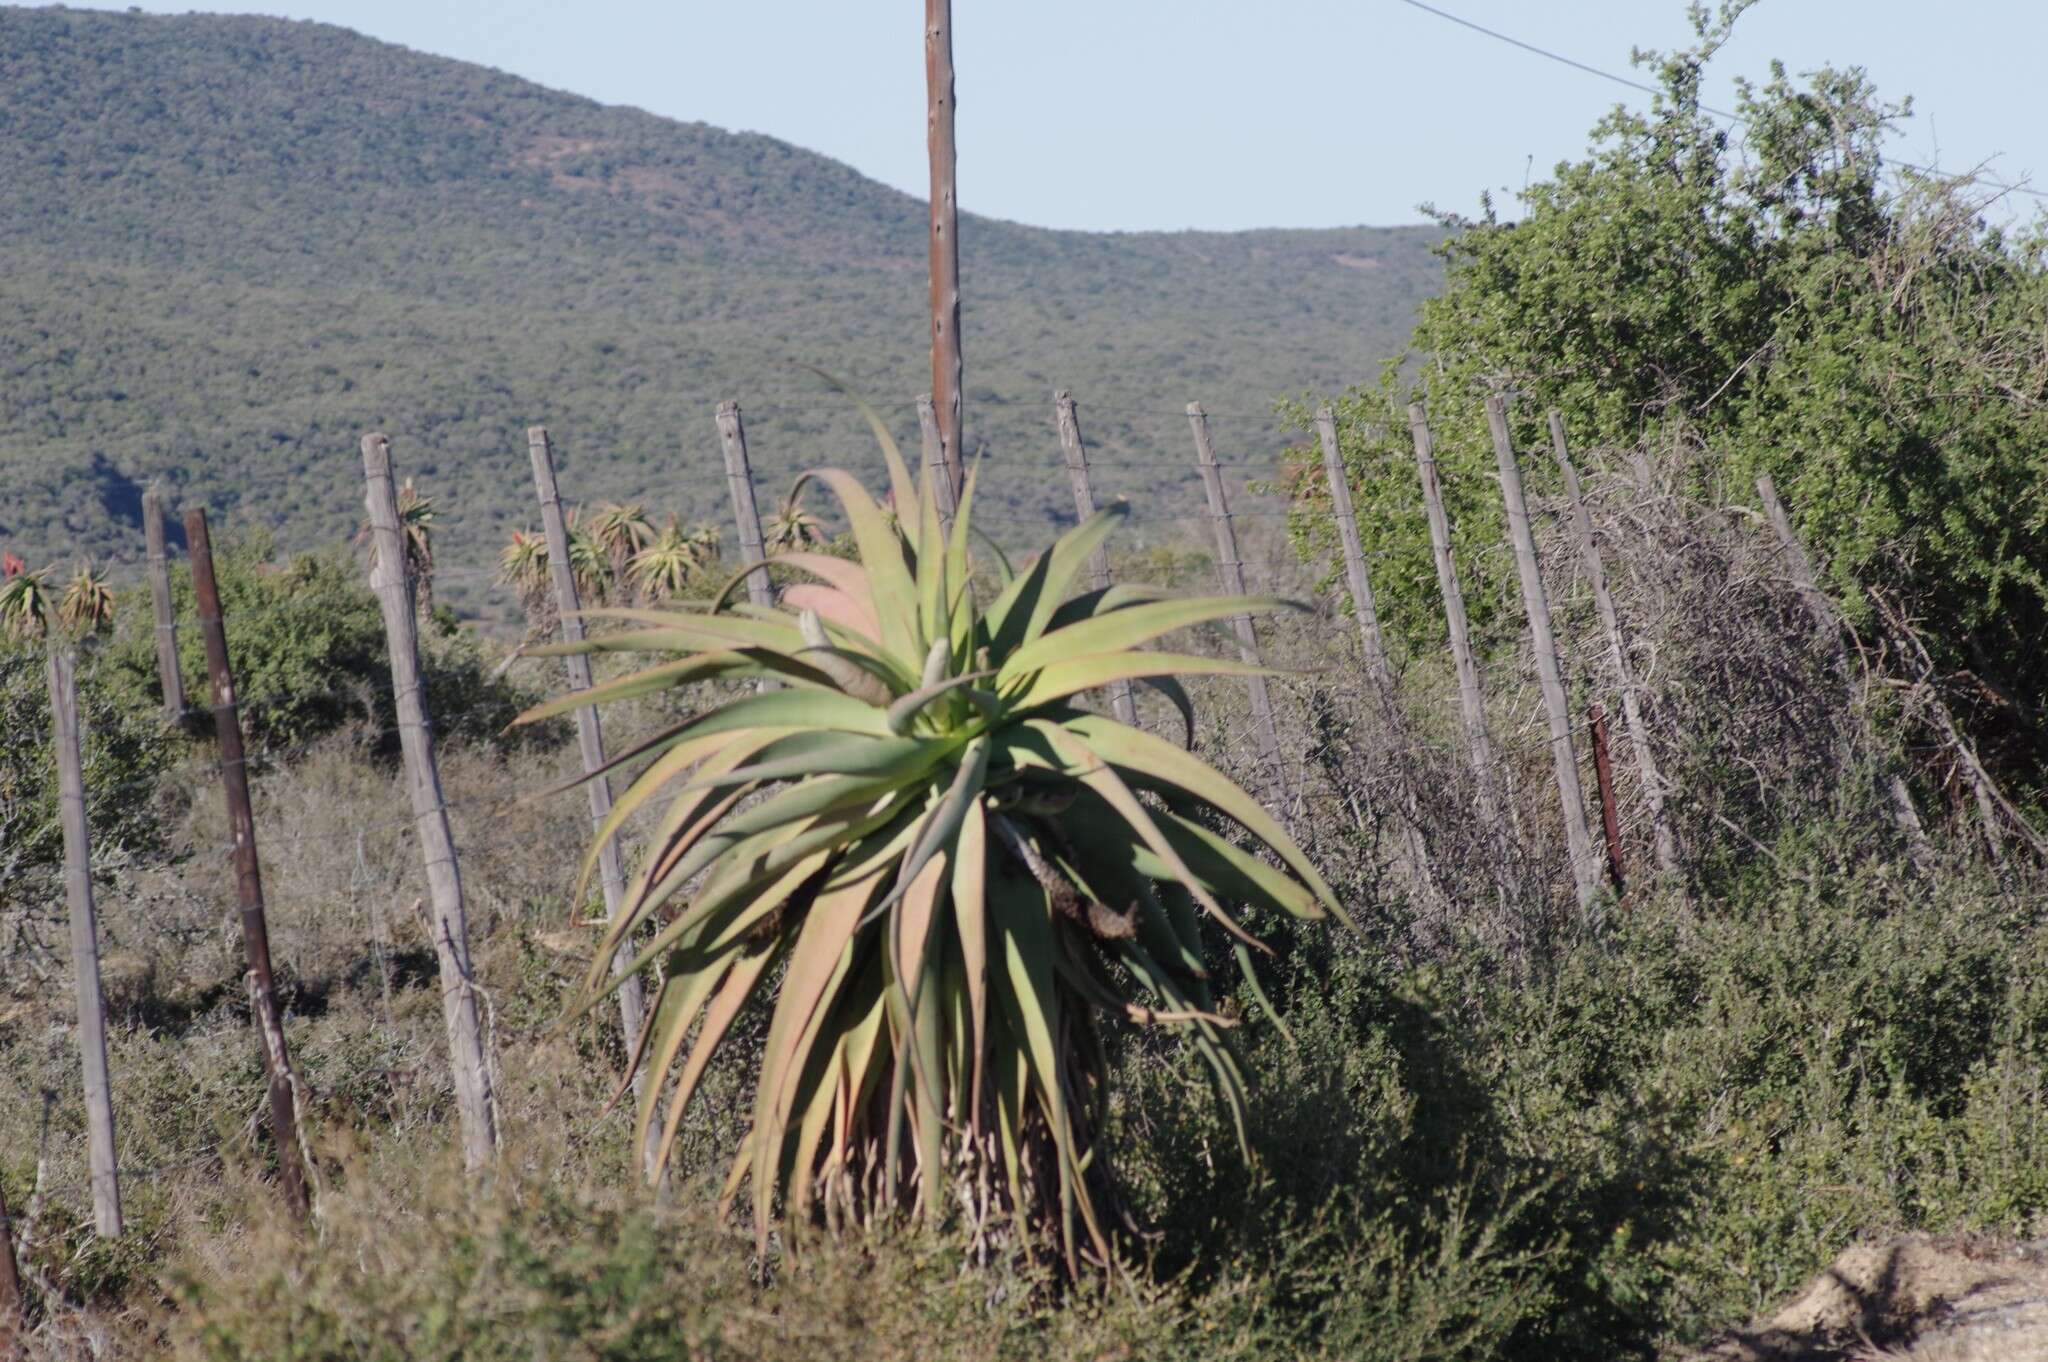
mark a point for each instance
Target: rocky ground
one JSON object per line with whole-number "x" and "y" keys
{"x": 1958, "y": 1299}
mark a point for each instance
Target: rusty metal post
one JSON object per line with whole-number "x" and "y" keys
{"x": 234, "y": 777}
{"x": 1603, "y": 773}
{"x": 1664, "y": 834}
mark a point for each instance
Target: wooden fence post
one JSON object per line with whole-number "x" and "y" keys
{"x": 1549, "y": 670}
{"x": 1829, "y": 626}
{"x": 234, "y": 774}
{"x": 1232, "y": 569}
{"x": 1610, "y": 816}
{"x": 746, "y": 514}
{"x": 589, "y": 729}
{"x": 934, "y": 445}
{"x": 13, "y": 1311}
{"x": 1666, "y": 837}
{"x": 1472, "y": 707}
{"x": 390, "y": 575}
{"x": 1356, "y": 578}
{"x": 1122, "y": 702}
{"x": 944, "y": 255}
{"x": 85, "y": 943}
{"x": 1358, "y": 581}
{"x": 170, "y": 678}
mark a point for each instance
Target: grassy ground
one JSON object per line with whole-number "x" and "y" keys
{"x": 1642, "y": 1129}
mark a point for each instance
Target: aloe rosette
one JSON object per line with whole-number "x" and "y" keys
{"x": 939, "y": 872}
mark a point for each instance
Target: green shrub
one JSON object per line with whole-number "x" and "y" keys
{"x": 1650, "y": 1137}
{"x": 126, "y": 751}
{"x": 306, "y": 643}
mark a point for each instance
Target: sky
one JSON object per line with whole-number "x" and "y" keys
{"x": 1224, "y": 114}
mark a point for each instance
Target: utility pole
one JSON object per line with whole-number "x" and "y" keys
{"x": 944, "y": 235}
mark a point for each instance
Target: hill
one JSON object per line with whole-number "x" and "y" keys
{"x": 230, "y": 245}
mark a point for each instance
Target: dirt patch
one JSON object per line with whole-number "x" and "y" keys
{"x": 1917, "y": 1299}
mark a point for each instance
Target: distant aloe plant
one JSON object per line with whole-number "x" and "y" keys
{"x": 793, "y": 529}
{"x": 416, "y": 516}
{"x": 523, "y": 566}
{"x": 24, "y": 601}
{"x": 671, "y": 565}
{"x": 621, "y": 529}
{"x": 588, "y": 561}
{"x": 88, "y": 604}
{"x": 939, "y": 873}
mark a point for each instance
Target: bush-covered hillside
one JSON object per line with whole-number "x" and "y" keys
{"x": 231, "y": 245}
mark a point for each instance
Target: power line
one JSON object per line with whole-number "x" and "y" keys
{"x": 1740, "y": 122}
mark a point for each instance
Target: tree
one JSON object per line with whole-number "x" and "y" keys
{"x": 1788, "y": 303}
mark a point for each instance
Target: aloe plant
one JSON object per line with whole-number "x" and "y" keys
{"x": 416, "y": 517}
{"x": 24, "y": 601}
{"x": 669, "y": 564}
{"x": 588, "y": 561}
{"x": 523, "y": 566}
{"x": 88, "y": 603}
{"x": 942, "y": 872}
{"x": 622, "y": 530}
{"x": 792, "y": 527}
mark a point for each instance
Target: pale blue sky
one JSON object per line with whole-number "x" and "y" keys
{"x": 1130, "y": 114}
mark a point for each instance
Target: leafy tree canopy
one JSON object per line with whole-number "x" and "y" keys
{"x": 1777, "y": 295}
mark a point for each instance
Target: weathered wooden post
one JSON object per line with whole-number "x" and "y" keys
{"x": 85, "y": 942}
{"x": 1231, "y": 567}
{"x": 1472, "y": 707}
{"x": 746, "y": 513}
{"x": 1610, "y": 817}
{"x": 1549, "y": 671}
{"x": 1358, "y": 582}
{"x": 1356, "y": 579}
{"x": 1666, "y": 837}
{"x": 944, "y": 257}
{"x": 234, "y": 774}
{"x": 13, "y": 1310}
{"x": 934, "y": 447}
{"x": 469, "y": 1061}
{"x": 172, "y": 681}
{"x": 611, "y": 869}
{"x": 1829, "y": 626}
{"x": 1122, "y": 703}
